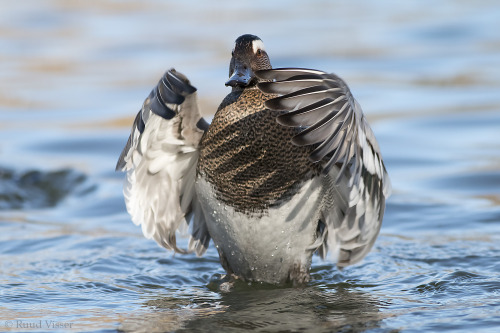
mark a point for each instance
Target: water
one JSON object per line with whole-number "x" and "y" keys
{"x": 73, "y": 74}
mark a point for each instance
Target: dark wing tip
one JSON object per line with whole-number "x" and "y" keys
{"x": 172, "y": 88}
{"x": 179, "y": 82}
{"x": 168, "y": 93}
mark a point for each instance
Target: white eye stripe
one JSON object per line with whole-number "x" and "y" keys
{"x": 257, "y": 45}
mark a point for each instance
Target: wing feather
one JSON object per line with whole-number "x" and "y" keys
{"x": 356, "y": 183}
{"x": 160, "y": 160}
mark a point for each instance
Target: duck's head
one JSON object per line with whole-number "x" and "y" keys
{"x": 248, "y": 56}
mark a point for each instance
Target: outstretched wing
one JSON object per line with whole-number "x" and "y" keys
{"x": 160, "y": 160}
{"x": 356, "y": 180}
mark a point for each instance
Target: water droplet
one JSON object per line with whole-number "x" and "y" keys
{"x": 232, "y": 253}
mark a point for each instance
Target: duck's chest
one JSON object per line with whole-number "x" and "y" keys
{"x": 272, "y": 246}
{"x": 248, "y": 157}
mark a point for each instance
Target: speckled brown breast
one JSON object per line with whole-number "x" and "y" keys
{"x": 248, "y": 157}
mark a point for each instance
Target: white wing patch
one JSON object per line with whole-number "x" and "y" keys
{"x": 161, "y": 166}
{"x": 162, "y": 172}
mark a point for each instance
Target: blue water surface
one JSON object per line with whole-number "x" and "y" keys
{"x": 73, "y": 75}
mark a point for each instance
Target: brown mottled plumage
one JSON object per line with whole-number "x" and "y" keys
{"x": 249, "y": 157}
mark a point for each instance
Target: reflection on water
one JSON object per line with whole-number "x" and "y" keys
{"x": 264, "y": 310}
{"x": 36, "y": 189}
{"x": 75, "y": 72}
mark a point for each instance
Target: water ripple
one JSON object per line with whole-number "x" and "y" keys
{"x": 73, "y": 75}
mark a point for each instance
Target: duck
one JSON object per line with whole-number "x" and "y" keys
{"x": 287, "y": 168}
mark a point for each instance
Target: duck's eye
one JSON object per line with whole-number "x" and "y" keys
{"x": 259, "y": 52}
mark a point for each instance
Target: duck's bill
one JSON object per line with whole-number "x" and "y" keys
{"x": 241, "y": 77}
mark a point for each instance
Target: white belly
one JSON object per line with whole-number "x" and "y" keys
{"x": 265, "y": 246}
